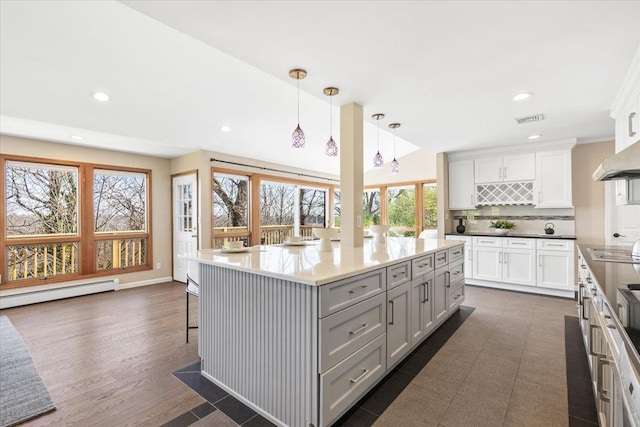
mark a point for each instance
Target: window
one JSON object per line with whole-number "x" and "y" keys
{"x": 336, "y": 208}
{"x": 119, "y": 212}
{"x": 44, "y": 238}
{"x": 371, "y": 211}
{"x": 430, "y": 206}
{"x": 277, "y": 210}
{"x": 230, "y": 208}
{"x": 402, "y": 210}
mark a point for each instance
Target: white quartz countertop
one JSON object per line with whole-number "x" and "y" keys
{"x": 306, "y": 264}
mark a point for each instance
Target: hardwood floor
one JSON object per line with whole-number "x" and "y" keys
{"x": 107, "y": 358}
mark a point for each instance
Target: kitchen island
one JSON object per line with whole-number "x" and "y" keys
{"x": 300, "y": 335}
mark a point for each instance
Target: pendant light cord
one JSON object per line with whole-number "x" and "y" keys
{"x": 378, "y": 133}
{"x": 331, "y": 117}
{"x": 394, "y": 146}
{"x": 298, "y": 86}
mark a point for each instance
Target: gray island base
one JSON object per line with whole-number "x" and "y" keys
{"x": 300, "y": 335}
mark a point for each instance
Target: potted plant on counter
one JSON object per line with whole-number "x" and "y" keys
{"x": 501, "y": 227}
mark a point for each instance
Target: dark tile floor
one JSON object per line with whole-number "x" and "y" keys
{"x": 582, "y": 406}
{"x": 368, "y": 410}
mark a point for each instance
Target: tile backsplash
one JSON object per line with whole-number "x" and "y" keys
{"x": 527, "y": 219}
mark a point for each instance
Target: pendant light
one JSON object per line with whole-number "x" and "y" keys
{"x": 395, "y": 166}
{"x": 297, "y": 138}
{"x": 377, "y": 159}
{"x": 332, "y": 148}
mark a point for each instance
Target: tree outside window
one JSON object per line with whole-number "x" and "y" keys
{"x": 402, "y": 210}
{"x": 430, "y": 206}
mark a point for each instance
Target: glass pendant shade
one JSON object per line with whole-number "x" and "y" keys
{"x": 395, "y": 166}
{"x": 332, "y": 148}
{"x": 297, "y": 138}
{"x": 377, "y": 160}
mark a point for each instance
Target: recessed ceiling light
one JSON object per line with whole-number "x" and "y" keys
{"x": 225, "y": 129}
{"x": 77, "y": 137}
{"x": 100, "y": 96}
{"x": 522, "y": 96}
{"x": 534, "y": 136}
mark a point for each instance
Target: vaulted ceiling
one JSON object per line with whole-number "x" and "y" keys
{"x": 177, "y": 71}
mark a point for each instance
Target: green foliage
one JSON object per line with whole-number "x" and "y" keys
{"x": 502, "y": 223}
{"x": 430, "y": 207}
{"x": 402, "y": 207}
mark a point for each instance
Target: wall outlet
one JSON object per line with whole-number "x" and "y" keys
{"x": 158, "y": 265}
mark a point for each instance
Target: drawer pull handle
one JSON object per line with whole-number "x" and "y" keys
{"x": 441, "y": 258}
{"x": 583, "y": 266}
{"x": 603, "y": 394}
{"x": 555, "y": 245}
{"x": 360, "y": 329}
{"x": 424, "y": 265}
{"x": 356, "y": 289}
{"x": 362, "y": 375}
{"x": 399, "y": 274}
{"x": 591, "y": 350}
{"x": 518, "y": 243}
{"x": 456, "y": 253}
{"x": 589, "y": 280}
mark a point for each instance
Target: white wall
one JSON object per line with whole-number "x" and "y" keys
{"x": 417, "y": 166}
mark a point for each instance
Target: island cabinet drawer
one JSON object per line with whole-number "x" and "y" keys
{"x": 422, "y": 265}
{"x": 343, "y": 385}
{"x": 456, "y": 253}
{"x": 344, "y": 293}
{"x": 518, "y": 243}
{"x": 345, "y": 332}
{"x": 441, "y": 258}
{"x": 491, "y": 242}
{"x": 398, "y": 274}
{"x": 555, "y": 245}
{"x": 456, "y": 295}
{"x": 456, "y": 270}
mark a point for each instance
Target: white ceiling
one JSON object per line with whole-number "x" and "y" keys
{"x": 178, "y": 70}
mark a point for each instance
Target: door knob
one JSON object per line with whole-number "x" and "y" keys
{"x": 618, "y": 235}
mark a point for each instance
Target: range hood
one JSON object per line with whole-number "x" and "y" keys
{"x": 625, "y": 164}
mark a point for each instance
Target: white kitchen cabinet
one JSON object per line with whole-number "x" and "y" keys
{"x": 519, "y": 266}
{"x": 487, "y": 263}
{"x": 513, "y": 167}
{"x": 398, "y": 323}
{"x": 441, "y": 282}
{"x": 461, "y": 185}
{"x": 552, "y": 186}
{"x": 422, "y": 321}
{"x": 555, "y": 264}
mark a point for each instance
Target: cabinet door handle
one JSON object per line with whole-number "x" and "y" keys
{"x": 631, "y": 131}
{"x": 364, "y": 373}
{"x": 357, "y": 288}
{"x": 391, "y": 309}
{"x": 448, "y": 278}
{"x": 584, "y": 307}
{"x": 603, "y": 394}
{"x": 499, "y": 257}
{"x": 360, "y": 329}
{"x": 540, "y": 260}
{"x": 591, "y": 350}
{"x": 424, "y": 292}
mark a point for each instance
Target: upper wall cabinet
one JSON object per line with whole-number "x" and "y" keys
{"x": 461, "y": 187}
{"x": 552, "y": 187}
{"x": 626, "y": 107}
{"x": 508, "y": 168}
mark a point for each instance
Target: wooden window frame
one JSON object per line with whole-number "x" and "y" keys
{"x": 255, "y": 181}
{"x": 86, "y": 236}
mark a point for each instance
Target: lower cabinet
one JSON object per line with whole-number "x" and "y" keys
{"x": 422, "y": 319}
{"x": 441, "y": 281}
{"x": 555, "y": 270}
{"x": 519, "y": 266}
{"x": 344, "y": 383}
{"x": 487, "y": 263}
{"x": 398, "y": 323}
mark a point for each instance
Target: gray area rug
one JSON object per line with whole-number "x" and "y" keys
{"x": 23, "y": 395}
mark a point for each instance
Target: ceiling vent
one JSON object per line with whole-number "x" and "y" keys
{"x": 530, "y": 119}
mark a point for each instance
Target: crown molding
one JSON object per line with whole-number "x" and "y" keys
{"x": 560, "y": 144}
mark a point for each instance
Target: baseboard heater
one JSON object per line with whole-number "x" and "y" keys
{"x": 15, "y": 300}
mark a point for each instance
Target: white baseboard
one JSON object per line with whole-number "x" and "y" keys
{"x": 521, "y": 288}
{"x": 146, "y": 282}
{"x": 32, "y": 296}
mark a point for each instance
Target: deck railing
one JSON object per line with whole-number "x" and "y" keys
{"x": 121, "y": 253}
{"x": 269, "y": 234}
{"x": 41, "y": 260}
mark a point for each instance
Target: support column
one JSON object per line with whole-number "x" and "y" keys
{"x": 351, "y": 175}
